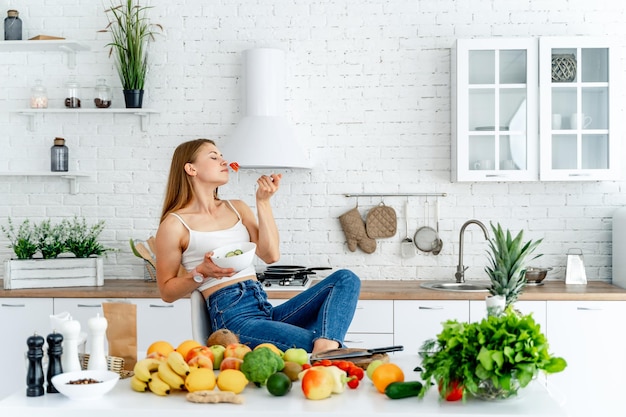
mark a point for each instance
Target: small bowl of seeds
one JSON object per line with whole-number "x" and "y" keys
{"x": 85, "y": 385}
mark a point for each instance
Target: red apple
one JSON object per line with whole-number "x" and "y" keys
{"x": 236, "y": 350}
{"x": 200, "y": 351}
{"x": 201, "y": 361}
{"x": 231, "y": 363}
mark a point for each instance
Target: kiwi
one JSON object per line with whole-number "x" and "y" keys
{"x": 292, "y": 370}
{"x": 222, "y": 337}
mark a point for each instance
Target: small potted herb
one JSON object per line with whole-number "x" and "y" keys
{"x": 23, "y": 241}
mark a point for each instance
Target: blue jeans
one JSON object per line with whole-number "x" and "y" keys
{"x": 324, "y": 310}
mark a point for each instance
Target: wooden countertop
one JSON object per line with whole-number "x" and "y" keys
{"x": 370, "y": 290}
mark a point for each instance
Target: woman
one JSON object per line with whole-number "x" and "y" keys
{"x": 195, "y": 221}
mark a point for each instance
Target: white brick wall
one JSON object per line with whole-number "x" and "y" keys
{"x": 368, "y": 90}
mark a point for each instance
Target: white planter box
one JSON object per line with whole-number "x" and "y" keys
{"x": 51, "y": 273}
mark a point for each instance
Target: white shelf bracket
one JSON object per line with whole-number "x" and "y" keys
{"x": 144, "y": 120}
{"x": 30, "y": 121}
{"x": 71, "y": 56}
{"x": 73, "y": 183}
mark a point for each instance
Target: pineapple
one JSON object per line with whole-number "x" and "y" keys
{"x": 507, "y": 258}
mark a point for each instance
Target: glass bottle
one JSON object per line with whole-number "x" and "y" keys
{"x": 71, "y": 100}
{"x": 59, "y": 156}
{"x": 12, "y": 26}
{"x": 38, "y": 96}
{"x": 103, "y": 94}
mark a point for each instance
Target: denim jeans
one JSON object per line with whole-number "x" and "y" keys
{"x": 324, "y": 310}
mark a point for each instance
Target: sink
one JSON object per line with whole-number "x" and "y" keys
{"x": 457, "y": 286}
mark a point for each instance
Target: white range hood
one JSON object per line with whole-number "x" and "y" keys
{"x": 264, "y": 138}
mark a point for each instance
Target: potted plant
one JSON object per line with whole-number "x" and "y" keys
{"x": 131, "y": 32}
{"x": 54, "y": 242}
{"x": 491, "y": 359}
{"x": 507, "y": 263}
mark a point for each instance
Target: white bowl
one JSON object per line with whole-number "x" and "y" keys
{"x": 237, "y": 262}
{"x": 107, "y": 380}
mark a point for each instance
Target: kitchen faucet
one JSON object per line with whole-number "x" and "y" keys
{"x": 460, "y": 269}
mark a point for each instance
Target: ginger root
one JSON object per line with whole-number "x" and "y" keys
{"x": 214, "y": 397}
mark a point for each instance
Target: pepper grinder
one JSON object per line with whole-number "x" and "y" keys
{"x": 70, "y": 362}
{"x": 34, "y": 375}
{"x": 97, "y": 358}
{"x": 55, "y": 349}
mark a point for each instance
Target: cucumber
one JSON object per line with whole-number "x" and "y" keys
{"x": 397, "y": 390}
{"x": 234, "y": 253}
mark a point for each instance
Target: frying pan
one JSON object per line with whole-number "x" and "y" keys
{"x": 289, "y": 270}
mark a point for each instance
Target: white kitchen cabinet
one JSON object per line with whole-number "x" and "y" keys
{"x": 590, "y": 336}
{"x": 417, "y": 321}
{"x": 579, "y": 123}
{"x": 20, "y": 318}
{"x": 478, "y": 311}
{"x": 372, "y": 325}
{"x": 494, "y": 110}
{"x": 158, "y": 320}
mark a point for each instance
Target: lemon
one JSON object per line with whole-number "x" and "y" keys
{"x": 231, "y": 380}
{"x": 200, "y": 379}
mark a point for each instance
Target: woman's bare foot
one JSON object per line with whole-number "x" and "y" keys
{"x": 321, "y": 345}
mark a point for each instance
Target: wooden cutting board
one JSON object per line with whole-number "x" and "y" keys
{"x": 360, "y": 361}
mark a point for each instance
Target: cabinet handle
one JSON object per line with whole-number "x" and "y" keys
{"x": 429, "y": 308}
{"x": 495, "y": 176}
{"x": 161, "y": 305}
{"x": 354, "y": 341}
{"x": 13, "y": 305}
{"x": 88, "y": 305}
{"x": 588, "y": 309}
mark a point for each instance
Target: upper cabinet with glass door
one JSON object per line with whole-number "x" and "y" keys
{"x": 578, "y": 120}
{"x": 494, "y": 110}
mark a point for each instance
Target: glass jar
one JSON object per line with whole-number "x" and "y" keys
{"x": 12, "y": 26}
{"x": 73, "y": 91}
{"x": 59, "y": 156}
{"x": 103, "y": 94}
{"x": 38, "y": 96}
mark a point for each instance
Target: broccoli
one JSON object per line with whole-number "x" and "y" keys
{"x": 259, "y": 364}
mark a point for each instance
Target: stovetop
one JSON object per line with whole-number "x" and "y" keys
{"x": 291, "y": 283}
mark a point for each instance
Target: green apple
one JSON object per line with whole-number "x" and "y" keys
{"x": 297, "y": 355}
{"x": 218, "y": 354}
{"x": 372, "y": 367}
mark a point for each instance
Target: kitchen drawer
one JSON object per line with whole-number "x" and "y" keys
{"x": 373, "y": 316}
{"x": 368, "y": 340}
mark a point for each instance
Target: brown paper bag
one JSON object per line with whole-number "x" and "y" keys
{"x": 122, "y": 331}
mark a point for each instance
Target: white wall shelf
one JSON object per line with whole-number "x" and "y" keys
{"x": 71, "y": 176}
{"x": 63, "y": 45}
{"x": 144, "y": 114}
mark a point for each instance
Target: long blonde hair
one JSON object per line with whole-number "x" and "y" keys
{"x": 179, "y": 190}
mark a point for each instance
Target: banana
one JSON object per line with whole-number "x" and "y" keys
{"x": 171, "y": 378}
{"x": 176, "y": 361}
{"x": 157, "y": 385}
{"x": 138, "y": 385}
{"x": 144, "y": 367}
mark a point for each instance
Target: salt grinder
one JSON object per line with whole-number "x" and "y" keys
{"x": 55, "y": 350}
{"x": 97, "y": 358}
{"x": 34, "y": 375}
{"x": 70, "y": 329}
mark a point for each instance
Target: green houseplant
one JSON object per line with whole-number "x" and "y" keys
{"x": 507, "y": 257}
{"x": 492, "y": 359}
{"x": 131, "y": 32}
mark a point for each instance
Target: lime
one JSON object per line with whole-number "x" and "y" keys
{"x": 278, "y": 384}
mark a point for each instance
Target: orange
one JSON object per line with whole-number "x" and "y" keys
{"x": 385, "y": 374}
{"x": 160, "y": 346}
{"x": 186, "y": 346}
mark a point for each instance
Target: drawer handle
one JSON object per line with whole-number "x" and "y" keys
{"x": 13, "y": 305}
{"x": 429, "y": 308}
{"x": 588, "y": 309}
{"x": 354, "y": 341}
{"x": 89, "y": 305}
{"x": 161, "y": 306}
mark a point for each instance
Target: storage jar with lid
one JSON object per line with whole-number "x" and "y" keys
{"x": 38, "y": 96}
{"x": 59, "y": 156}
{"x": 12, "y": 26}
{"x": 103, "y": 94}
{"x": 73, "y": 92}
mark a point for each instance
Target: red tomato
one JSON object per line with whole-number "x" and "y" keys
{"x": 454, "y": 392}
{"x": 234, "y": 166}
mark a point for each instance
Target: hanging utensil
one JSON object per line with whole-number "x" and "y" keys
{"x": 425, "y": 236}
{"x": 407, "y": 247}
{"x": 140, "y": 251}
{"x": 438, "y": 243}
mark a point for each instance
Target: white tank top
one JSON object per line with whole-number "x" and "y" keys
{"x": 203, "y": 242}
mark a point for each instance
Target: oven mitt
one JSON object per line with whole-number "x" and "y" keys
{"x": 381, "y": 222}
{"x": 354, "y": 228}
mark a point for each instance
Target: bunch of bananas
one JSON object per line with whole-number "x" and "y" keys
{"x": 160, "y": 376}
